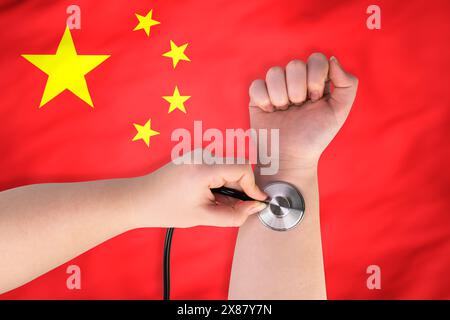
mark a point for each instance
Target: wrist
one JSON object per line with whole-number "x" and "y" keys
{"x": 305, "y": 180}
{"x": 289, "y": 172}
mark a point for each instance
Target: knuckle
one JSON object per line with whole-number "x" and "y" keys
{"x": 297, "y": 97}
{"x": 281, "y": 103}
{"x": 295, "y": 64}
{"x": 315, "y": 86}
{"x": 256, "y": 84}
{"x": 264, "y": 102}
{"x": 274, "y": 71}
{"x": 258, "y": 93}
{"x": 266, "y": 106}
{"x": 318, "y": 56}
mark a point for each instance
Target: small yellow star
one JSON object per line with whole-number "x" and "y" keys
{"x": 176, "y": 100}
{"x": 146, "y": 22}
{"x": 176, "y": 53}
{"x": 144, "y": 132}
{"x": 66, "y": 70}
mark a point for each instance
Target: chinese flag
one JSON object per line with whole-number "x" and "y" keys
{"x": 100, "y": 99}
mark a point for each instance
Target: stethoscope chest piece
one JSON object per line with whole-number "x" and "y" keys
{"x": 285, "y": 209}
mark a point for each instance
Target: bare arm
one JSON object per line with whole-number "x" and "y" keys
{"x": 43, "y": 226}
{"x": 281, "y": 265}
{"x": 289, "y": 265}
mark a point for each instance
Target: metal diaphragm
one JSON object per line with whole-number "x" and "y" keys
{"x": 285, "y": 209}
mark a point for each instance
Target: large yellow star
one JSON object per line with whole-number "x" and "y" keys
{"x": 66, "y": 70}
{"x": 176, "y": 101}
{"x": 146, "y": 22}
{"x": 176, "y": 53}
{"x": 144, "y": 132}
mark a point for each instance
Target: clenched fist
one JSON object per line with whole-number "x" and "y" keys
{"x": 308, "y": 102}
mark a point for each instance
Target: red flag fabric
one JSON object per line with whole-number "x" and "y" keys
{"x": 384, "y": 180}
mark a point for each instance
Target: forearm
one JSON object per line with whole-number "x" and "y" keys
{"x": 43, "y": 226}
{"x": 281, "y": 265}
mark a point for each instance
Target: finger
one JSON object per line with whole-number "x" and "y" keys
{"x": 225, "y": 200}
{"x": 344, "y": 93}
{"x": 220, "y": 175}
{"x": 248, "y": 185}
{"x": 317, "y": 75}
{"x": 233, "y": 185}
{"x": 296, "y": 81}
{"x": 259, "y": 97}
{"x": 276, "y": 86}
{"x": 227, "y": 216}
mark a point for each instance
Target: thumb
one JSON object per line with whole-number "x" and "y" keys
{"x": 345, "y": 86}
{"x": 233, "y": 216}
{"x": 248, "y": 184}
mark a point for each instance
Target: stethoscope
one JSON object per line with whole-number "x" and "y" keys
{"x": 285, "y": 209}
